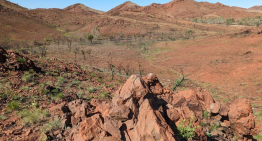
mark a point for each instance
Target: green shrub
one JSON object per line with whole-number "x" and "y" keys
{"x": 51, "y": 125}
{"x": 259, "y": 114}
{"x": 205, "y": 114}
{"x": 25, "y": 88}
{"x": 104, "y": 94}
{"x": 32, "y": 117}
{"x": 3, "y": 117}
{"x": 258, "y": 137}
{"x": 91, "y": 89}
{"x": 61, "y": 79}
{"x": 13, "y": 105}
{"x": 186, "y": 130}
{"x": 76, "y": 82}
{"x": 28, "y": 77}
{"x": 80, "y": 94}
{"x": 21, "y": 60}
{"x": 57, "y": 96}
{"x": 230, "y": 21}
{"x": 214, "y": 127}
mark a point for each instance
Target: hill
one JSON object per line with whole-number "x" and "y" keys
{"x": 184, "y": 9}
{"x": 257, "y": 7}
{"x": 11, "y": 5}
{"x": 81, "y": 8}
{"x": 126, "y": 6}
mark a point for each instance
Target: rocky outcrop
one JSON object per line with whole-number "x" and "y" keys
{"x": 11, "y": 60}
{"x": 143, "y": 110}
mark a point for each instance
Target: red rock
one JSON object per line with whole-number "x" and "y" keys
{"x": 215, "y": 107}
{"x": 133, "y": 87}
{"x": 120, "y": 112}
{"x": 153, "y": 83}
{"x": 226, "y": 123}
{"x": 173, "y": 114}
{"x": 88, "y": 129}
{"x": 151, "y": 126}
{"x": 112, "y": 127}
{"x": 224, "y": 108}
{"x": 57, "y": 109}
{"x": 241, "y": 117}
{"x": 103, "y": 108}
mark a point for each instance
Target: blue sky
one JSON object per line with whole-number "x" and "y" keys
{"x": 106, "y": 5}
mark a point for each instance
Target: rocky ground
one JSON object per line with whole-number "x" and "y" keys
{"x": 48, "y": 99}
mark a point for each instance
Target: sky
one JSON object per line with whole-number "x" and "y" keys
{"x": 106, "y": 5}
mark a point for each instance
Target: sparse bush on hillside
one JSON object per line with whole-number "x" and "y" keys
{"x": 257, "y": 23}
{"x": 28, "y": 77}
{"x": 48, "y": 40}
{"x": 51, "y": 125}
{"x": 230, "y": 21}
{"x": 32, "y": 117}
{"x": 91, "y": 89}
{"x": 21, "y": 60}
{"x": 104, "y": 94}
{"x": 189, "y": 33}
{"x": 14, "y": 105}
{"x": 43, "y": 51}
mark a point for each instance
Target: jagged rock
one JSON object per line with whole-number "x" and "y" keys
{"x": 89, "y": 129}
{"x": 9, "y": 60}
{"x": 134, "y": 87}
{"x": 153, "y": 83}
{"x": 151, "y": 125}
{"x": 224, "y": 108}
{"x": 113, "y": 127}
{"x": 59, "y": 109}
{"x": 137, "y": 113}
{"x": 79, "y": 110}
{"x": 241, "y": 117}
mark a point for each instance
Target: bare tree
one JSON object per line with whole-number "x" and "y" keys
{"x": 69, "y": 44}
{"x": 127, "y": 70}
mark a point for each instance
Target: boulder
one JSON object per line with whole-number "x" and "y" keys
{"x": 79, "y": 110}
{"x": 151, "y": 126}
{"x": 224, "y": 108}
{"x": 215, "y": 107}
{"x": 9, "y": 59}
{"x": 113, "y": 127}
{"x": 88, "y": 129}
{"x": 241, "y": 117}
{"x": 134, "y": 87}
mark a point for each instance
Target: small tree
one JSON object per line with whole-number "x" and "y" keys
{"x": 230, "y": 21}
{"x": 90, "y": 37}
{"x": 257, "y": 23}
{"x": 43, "y": 50}
{"x": 96, "y": 32}
{"x": 75, "y": 51}
{"x": 126, "y": 70}
{"x": 69, "y": 44}
{"x": 48, "y": 40}
{"x": 189, "y": 33}
{"x": 83, "y": 52}
{"x": 111, "y": 66}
